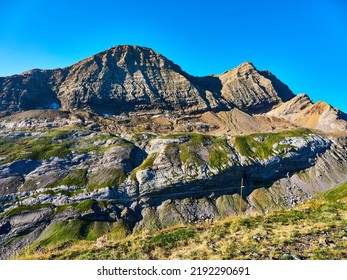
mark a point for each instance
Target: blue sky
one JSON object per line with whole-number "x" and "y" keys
{"x": 304, "y": 43}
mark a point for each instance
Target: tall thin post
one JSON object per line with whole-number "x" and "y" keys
{"x": 241, "y": 187}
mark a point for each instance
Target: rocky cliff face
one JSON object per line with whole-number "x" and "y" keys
{"x": 35, "y": 89}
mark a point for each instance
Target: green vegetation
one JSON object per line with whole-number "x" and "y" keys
{"x": 217, "y": 159}
{"x": 63, "y": 234}
{"x": 37, "y": 148}
{"x": 85, "y": 205}
{"x": 147, "y": 163}
{"x": 167, "y": 241}
{"x": 216, "y": 147}
{"x": 106, "y": 178}
{"x": 75, "y": 177}
{"x": 62, "y": 208}
{"x": 54, "y": 143}
{"x": 314, "y": 230}
{"x": 337, "y": 194}
{"x": 23, "y": 208}
{"x": 59, "y": 134}
{"x": 262, "y": 145}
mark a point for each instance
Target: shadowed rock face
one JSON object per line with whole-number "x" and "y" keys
{"x": 131, "y": 78}
{"x": 35, "y": 89}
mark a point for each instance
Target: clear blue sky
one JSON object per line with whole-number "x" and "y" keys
{"x": 304, "y": 43}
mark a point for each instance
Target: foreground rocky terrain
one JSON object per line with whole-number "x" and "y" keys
{"x": 125, "y": 142}
{"x": 313, "y": 230}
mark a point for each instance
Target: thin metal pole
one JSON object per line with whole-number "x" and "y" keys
{"x": 241, "y": 193}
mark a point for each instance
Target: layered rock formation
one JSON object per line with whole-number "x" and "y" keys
{"x": 131, "y": 78}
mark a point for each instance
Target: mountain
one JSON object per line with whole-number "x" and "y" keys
{"x": 131, "y": 78}
{"x": 251, "y": 90}
{"x": 125, "y": 143}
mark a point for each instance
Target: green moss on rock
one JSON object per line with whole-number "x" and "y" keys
{"x": 261, "y": 145}
{"x": 108, "y": 177}
{"x": 147, "y": 163}
{"x": 24, "y": 208}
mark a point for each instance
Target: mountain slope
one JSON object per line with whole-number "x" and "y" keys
{"x": 123, "y": 77}
{"x": 144, "y": 182}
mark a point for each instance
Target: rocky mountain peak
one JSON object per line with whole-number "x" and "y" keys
{"x": 135, "y": 55}
{"x": 252, "y": 90}
{"x": 246, "y": 67}
{"x": 301, "y": 111}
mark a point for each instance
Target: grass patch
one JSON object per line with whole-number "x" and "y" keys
{"x": 168, "y": 240}
{"x": 85, "y": 205}
{"x": 61, "y": 235}
{"x": 106, "y": 178}
{"x": 24, "y": 208}
{"x": 314, "y": 230}
{"x": 218, "y": 158}
{"x": 216, "y": 148}
{"x": 337, "y": 193}
{"x": 76, "y": 177}
{"x": 62, "y": 208}
{"x": 261, "y": 145}
{"x": 147, "y": 163}
{"x": 33, "y": 148}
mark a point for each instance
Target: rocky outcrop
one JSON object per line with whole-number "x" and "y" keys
{"x": 301, "y": 111}
{"x": 25, "y": 228}
{"x": 35, "y": 89}
{"x": 125, "y": 77}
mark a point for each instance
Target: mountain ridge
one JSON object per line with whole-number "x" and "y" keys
{"x": 151, "y": 78}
